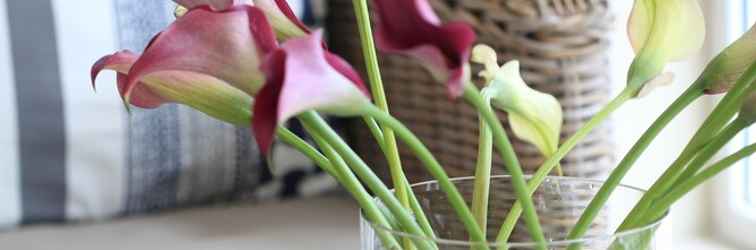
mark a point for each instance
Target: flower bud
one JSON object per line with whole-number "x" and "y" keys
{"x": 725, "y": 69}
{"x": 748, "y": 109}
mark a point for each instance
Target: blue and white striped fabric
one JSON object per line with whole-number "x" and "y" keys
{"x": 67, "y": 153}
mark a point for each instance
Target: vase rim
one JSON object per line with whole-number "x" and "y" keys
{"x": 588, "y": 239}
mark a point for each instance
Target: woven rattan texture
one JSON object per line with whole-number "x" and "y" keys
{"x": 562, "y": 46}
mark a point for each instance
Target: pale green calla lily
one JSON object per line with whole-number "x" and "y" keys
{"x": 662, "y": 31}
{"x": 534, "y": 116}
{"x": 674, "y": 27}
{"x": 722, "y": 72}
{"x": 662, "y": 80}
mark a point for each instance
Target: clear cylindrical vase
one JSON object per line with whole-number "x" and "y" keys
{"x": 559, "y": 202}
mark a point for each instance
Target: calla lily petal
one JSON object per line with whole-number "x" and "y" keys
{"x": 722, "y": 72}
{"x": 303, "y": 76}
{"x": 202, "y": 92}
{"x": 675, "y": 28}
{"x": 121, "y": 63}
{"x": 227, "y": 45}
{"x": 662, "y": 31}
{"x": 662, "y": 80}
{"x": 537, "y": 121}
{"x": 410, "y": 27}
{"x": 282, "y": 18}
{"x": 535, "y": 117}
{"x": 280, "y": 15}
{"x": 217, "y": 5}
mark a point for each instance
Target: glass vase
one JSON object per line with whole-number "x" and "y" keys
{"x": 559, "y": 201}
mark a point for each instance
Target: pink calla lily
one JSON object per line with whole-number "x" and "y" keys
{"x": 205, "y": 93}
{"x": 286, "y": 24}
{"x": 227, "y": 45}
{"x": 217, "y": 5}
{"x": 209, "y": 60}
{"x": 410, "y": 27}
{"x": 303, "y": 76}
{"x": 121, "y": 63}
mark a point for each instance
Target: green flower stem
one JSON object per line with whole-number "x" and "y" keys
{"x": 342, "y": 175}
{"x": 376, "y": 131}
{"x": 436, "y": 170}
{"x": 502, "y": 143}
{"x": 583, "y": 224}
{"x": 723, "y": 112}
{"x": 548, "y": 166}
{"x": 417, "y": 210}
{"x": 353, "y": 185}
{"x": 482, "y": 177}
{"x": 302, "y": 146}
{"x": 695, "y": 164}
{"x": 363, "y": 171}
{"x": 663, "y": 204}
{"x": 379, "y": 96}
{"x": 388, "y": 145}
{"x": 390, "y": 217}
{"x": 483, "y": 165}
{"x": 719, "y": 117}
{"x": 727, "y": 108}
{"x": 482, "y": 182}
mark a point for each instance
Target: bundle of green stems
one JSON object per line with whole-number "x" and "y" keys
{"x": 399, "y": 208}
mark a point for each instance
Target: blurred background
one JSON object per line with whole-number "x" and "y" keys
{"x": 78, "y": 172}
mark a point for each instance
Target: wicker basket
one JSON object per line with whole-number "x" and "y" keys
{"x": 562, "y": 46}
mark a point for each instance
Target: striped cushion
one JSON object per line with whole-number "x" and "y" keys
{"x": 70, "y": 154}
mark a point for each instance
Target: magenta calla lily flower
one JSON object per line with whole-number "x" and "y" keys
{"x": 410, "y": 27}
{"x": 205, "y": 93}
{"x": 303, "y": 76}
{"x": 121, "y": 63}
{"x": 217, "y": 5}
{"x": 286, "y": 24}
{"x": 226, "y": 44}
{"x": 209, "y": 60}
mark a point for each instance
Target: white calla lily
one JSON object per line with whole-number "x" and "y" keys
{"x": 534, "y": 116}
{"x": 662, "y": 31}
{"x": 674, "y": 28}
